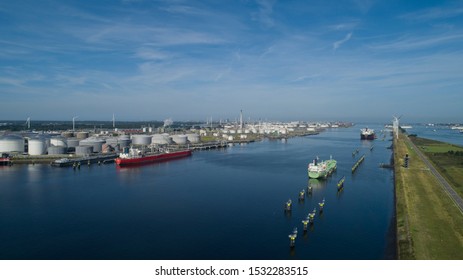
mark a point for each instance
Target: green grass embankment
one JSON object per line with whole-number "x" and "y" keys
{"x": 429, "y": 225}
{"x": 446, "y": 158}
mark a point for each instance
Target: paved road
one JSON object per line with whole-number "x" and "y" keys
{"x": 444, "y": 184}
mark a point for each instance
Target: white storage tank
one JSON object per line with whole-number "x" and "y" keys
{"x": 84, "y": 150}
{"x": 82, "y": 135}
{"x": 161, "y": 139}
{"x": 58, "y": 141}
{"x": 112, "y": 141}
{"x": 193, "y": 137}
{"x": 96, "y": 143}
{"x": 124, "y": 141}
{"x": 37, "y": 146}
{"x": 12, "y": 143}
{"x": 72, "y": 142}
{"x": 140, "y": 139}
{"x": 67, "y": 134}
{"x": 56, "y": 150}
{"x": 180, "y": 139}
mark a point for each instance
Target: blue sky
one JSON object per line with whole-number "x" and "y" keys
{"x": 356, "y": 60}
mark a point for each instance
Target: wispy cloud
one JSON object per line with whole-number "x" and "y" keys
{"x": 337, "y": 44}
{"x": 344, "y": 26}
{"x": 433, "y": 13}
{"x": 184, "y": 10}
{"x": 152, "y": 54}
{"x": 264, "y": 15}
{"x": 417, "y": 42}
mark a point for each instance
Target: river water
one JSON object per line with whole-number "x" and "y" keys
{"x": 216, "y": 204}
{"x": 438, "y": 133}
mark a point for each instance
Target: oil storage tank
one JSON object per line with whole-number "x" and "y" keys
{"x": 84, "y": 150}
{"x": 72, "y": 142}
{"x": 57, "y": 150}
{"x": 180, "y": 139}
{"x": 67, "y": 134}
{"x": 96, "y": 143}
{"x": 37, "y": 146}
{"x": 58, "y": 141}
{"x": 193, "y": 137}
{"x": 82, "y": 135}
{"x": 161, "y": 139}
{"x": 12, "y": 143}
{"x": 124, "y": 141}
{"x": 141, "y": 139}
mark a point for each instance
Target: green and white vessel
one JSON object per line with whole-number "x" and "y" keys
{"x": 321, "y": 170}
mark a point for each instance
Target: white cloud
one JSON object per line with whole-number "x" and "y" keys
{"x": 337, "y": 44}
{"x": 152, "y": 54}
{"x": 433, "y": 13}
{"x": 264, "y": 15}
{"x": 417, "y": 42}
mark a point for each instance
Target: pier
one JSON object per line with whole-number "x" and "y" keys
{"x": 76, "y": 162}
{"x": 356, "y": 165}
{"x": 208, "y": 146}
{"x": 341, "y": 183}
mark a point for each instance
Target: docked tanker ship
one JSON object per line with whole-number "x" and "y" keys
{"x": 367, "y": 134}
{"x": 321, "y": 170}
{"x": 135, "y": 156}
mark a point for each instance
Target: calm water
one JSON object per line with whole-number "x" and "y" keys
{"x": 220, "y": 204}
{"x": 439, "y": 133}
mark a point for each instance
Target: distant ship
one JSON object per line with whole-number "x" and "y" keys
{"x": 135, "y": 156}
{"x": 321, "y": 170}
{"x": 5, "y": 159}
{"x": 367, "y": 134}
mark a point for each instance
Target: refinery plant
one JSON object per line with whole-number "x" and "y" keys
{"x": 26, "y": 146}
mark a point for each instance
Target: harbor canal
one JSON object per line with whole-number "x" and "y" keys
{"x": 218, "y": 204}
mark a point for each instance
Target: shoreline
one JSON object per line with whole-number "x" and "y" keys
{"x": 425, "y": 214}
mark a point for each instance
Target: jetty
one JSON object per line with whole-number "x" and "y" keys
{"x": 76, "y": 162}
{"x": 341, "y": 183}
{"x": 356, "y": 165}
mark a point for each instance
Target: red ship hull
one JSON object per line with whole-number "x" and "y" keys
{"x": 151, "y": 158}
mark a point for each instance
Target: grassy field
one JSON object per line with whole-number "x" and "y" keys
{"x": 429, "y": 225}
{"x": 447, "y": 158}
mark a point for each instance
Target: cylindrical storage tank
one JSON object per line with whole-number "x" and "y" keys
{"x": 58, "y": 141}
{"x": 96, "y": 143}
{"x": 84, "y": 150}
{"x": 193, "y": 137}
{"x": 56, "y": 150}
{"x": 37, "y": 146}
{"x": 124, "y": 142}
{"x": 179, "y": 139}
{"x": 67, "y": 134}
{"x": 168, "y": 138}
{"x": 141, "y": 139}
{"x": 72, "y": 142}
{"x": 160, "y": 139}
{"x": 82, "y": 135}
{"x": 12, "y": 143}
{"x": 112, "y": 141}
